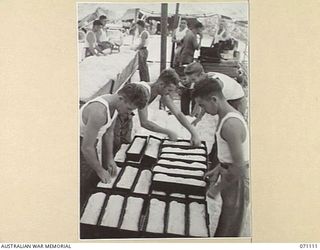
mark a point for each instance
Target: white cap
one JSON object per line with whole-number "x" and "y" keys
{"x": 231, "y": 89}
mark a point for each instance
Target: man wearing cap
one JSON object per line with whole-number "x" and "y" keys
{"x": 231, "y": 89}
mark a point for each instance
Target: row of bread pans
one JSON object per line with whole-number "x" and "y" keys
{"x": 145, "y": 160}
{"x": 98, "y": 231}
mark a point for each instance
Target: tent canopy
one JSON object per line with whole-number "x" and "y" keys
{"x": 95, "y": 15}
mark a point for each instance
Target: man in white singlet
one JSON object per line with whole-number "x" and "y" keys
{"x": 91, "y": 44}
{"x": 166, "y": 84}
{"x": 97, "y": 120}
{"x": 177, "y": 37}
{"x": 231, "y": 89}
{"x": 143, "y": 51}
{"x": 233, "y": 154}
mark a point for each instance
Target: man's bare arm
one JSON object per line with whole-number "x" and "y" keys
{"x": 232, "y": 132}
{"x": 144, "y": 37}
{"x": 95, "y": 121}
{"x": 147, "y": 124}
{"x": 108, "y": 138}
{"x": 182, "y": 119}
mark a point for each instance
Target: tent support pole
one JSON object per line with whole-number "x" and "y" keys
{"x": 164, "y": 28}
{"x": 175, "y": 26}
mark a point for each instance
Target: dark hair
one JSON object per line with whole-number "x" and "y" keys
{"x": 207, "y": 87}
{"x": 97, "y": 22}
{"x": 169, "y": 76}
{"x": 185, "y": 20}
{"x": 135, "y": 94}
{"x": 141, "y": 23}
{"x": 102, "y": 17}
{"x": 197, "y": 25}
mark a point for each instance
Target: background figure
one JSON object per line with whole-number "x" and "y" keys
{"x": 177, "y": 37}
{"x": 102, "y": 38}
{"x": 91, "y": 45}
{"x": 143, "y": 51}
{"x": 189, "y": 46}
{"x": 190, "y": 43}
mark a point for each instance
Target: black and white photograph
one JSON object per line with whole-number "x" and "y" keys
{"x": 163, "y": 120}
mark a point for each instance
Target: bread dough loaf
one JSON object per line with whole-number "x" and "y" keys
{"x": 184, "y": 151}
{"x": 144, "y": 182}
{"x": 158, "y": 193}
{"x": 177, "y": 195}
{"x": 121, "y": 154}
{"x": 179, "y": 143}
{"x": 112, "y": 211}
{"x": 153, "y": 148}
{"x": 179, "y": 180}
{"x": 137, "y": 145}
{"x": 184, "y": 157}
{"x": 132, "y": 214}
{"x": 113, "y": 179}
{"x": 93, "y": 209}
{"x": 183, "y": 164}
{"x": 159, "y": 169}
{"x": 156, "y": 216}
{"x": 176, "y": 221}
{"x": 199, "y": 197}
{"x": 197, "y": 219}
{"x": 127, "y": 178}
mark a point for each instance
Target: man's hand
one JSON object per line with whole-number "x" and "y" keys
{"x": 104, "y": 175}
{"x": 195, "y": 141}
{"x": 112, "y": 168}
{"x": 195, "y": 121}
{"x": 213, "y": 174}
{"x": 213, "y": 190}
{"x": 172, "y": 135}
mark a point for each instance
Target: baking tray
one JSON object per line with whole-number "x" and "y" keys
{"x": 182, "y": 153}
{"x": 136, "y": 182}
{"x": 125, "y": 190}
{"x": 179, "y": 175}
{"x": 167, "y": 201}
{"x": 108, "y": 188}
{"x": 169, "y": 188}
{"x": 104, "y": 232}
{"x": 181, "y": 167}
{"x": 125, "y": 232}
{"x": 206, "y": 216}
{"x": 122, "y": 164}
{"x": 185, "y": 160}
{"x": 148, "y": 161}
{"x": 136, "y": 157}
{"x": 179, "y": 146}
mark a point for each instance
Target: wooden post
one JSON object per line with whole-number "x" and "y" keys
{"x": 163, "y": 50}
{"x": 164, "y": 29}
{"x": 175, "y": 26}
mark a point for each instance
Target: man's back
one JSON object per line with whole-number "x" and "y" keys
{"x": 188, "y": 47}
